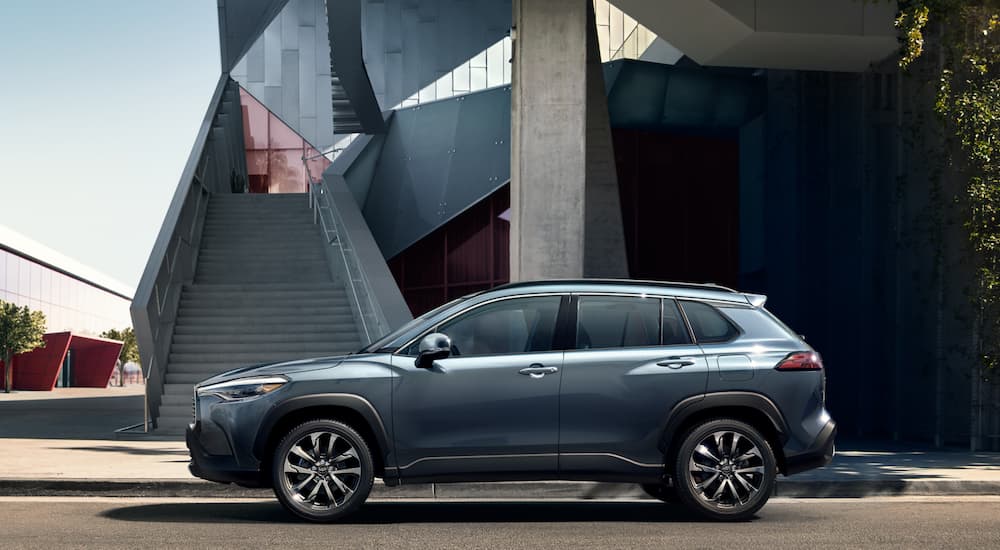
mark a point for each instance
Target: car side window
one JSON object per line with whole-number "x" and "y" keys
{"x": 707, "y": 323}
{"x": 617, "y": 322}
{"x": 675, "y": 332}
{"x": 517, "y": 325}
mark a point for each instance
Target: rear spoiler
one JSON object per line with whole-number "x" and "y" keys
{"x": 756, "y": 300}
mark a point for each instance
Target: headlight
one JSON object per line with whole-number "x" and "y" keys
{"x": 244, "y": 388}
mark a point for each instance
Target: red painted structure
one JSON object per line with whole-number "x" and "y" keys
{"x": 93, "y": 362}
{"x": 469, "y": 253}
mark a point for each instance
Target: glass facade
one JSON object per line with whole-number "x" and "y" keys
{"x": 487, "y": 69}
{"x": 275, "y": 152}
{"x": 68, "y": 303}
{"x": 618, "y": 35}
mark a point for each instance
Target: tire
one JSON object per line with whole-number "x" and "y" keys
{"x": 717, "y": 482}
{"x": 304, "y": 470}
{"x": 660, "y": 491}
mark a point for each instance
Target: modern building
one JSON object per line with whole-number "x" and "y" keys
{"x": 365, "y": 160}
{"x": 79, "y": 303}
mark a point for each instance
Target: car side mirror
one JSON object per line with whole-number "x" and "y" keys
{"x": 432, "y": 347}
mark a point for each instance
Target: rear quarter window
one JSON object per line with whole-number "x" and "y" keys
{"x": 758, "y": 323}
{"x": 708, "y": 324}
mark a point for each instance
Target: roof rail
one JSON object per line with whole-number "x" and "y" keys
{"x": 663, "y": 284}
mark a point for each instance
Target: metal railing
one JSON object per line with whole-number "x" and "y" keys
{"x": 369, "y": 312}
{"x": 216, "y": 164}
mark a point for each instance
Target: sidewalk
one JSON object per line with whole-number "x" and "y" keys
{"x": 75, "y": 453}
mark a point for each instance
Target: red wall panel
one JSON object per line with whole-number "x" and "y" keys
{"x": 467, "y": 254}
{"x": 39, "y": 369}
{"x": 93, "y": 361}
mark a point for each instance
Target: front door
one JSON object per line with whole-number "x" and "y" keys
{"x": 634, "y": 360}
{"x": 492, "y": 407}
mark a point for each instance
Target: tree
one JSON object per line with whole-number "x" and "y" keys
{"x": 130, "y": 349}
{"x": 962, "y": 39}
{"x": 21, "y": 331}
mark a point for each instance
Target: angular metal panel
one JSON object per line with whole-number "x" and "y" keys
{"x": 240, "y": 24}
{"x": 438, "y": 159}
{"x": 290, "y": 85}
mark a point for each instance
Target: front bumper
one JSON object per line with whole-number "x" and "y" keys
{"x": 819, "y": 454}
{"x": 217, "y": 468}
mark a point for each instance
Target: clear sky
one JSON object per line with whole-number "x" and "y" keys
{"x": 100, "y": 103}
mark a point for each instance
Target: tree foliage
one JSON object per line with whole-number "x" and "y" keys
{"x": 130, "y": 349}
{"x": 966, "y": 42}
{"x": 21, "y": 331}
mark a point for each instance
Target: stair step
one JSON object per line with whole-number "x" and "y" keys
{"x": 250, "y": 301}
{"x": 265, "y": 338}
{"x": 231, "y": 349}
{"x": 312, "y": 289}
{"x": 177, "y": 399}
{"x": 262, "y": 328}
{"x": 276, "y": 297}
{"x": 178, "y": 411}
{"x": 174, "y": 360}
{"x": 260, "y": 310}
{"x": 179, "y": 389}
{"x": 275, "y": 321}
{"x": 219, "y": 278}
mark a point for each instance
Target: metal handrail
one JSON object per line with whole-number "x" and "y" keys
{"x": 335, "y": 227}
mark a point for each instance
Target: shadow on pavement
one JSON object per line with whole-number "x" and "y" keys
{"x": 141, "y": 451}
{"x": 414, "y": 512}
{"x": 72, "y": 418}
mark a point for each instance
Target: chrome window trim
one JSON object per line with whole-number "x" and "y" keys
{"x": 434, "y": 328}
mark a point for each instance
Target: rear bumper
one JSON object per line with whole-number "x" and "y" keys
{"x": 819, "y": 453}
{"x": 217, "y": 468}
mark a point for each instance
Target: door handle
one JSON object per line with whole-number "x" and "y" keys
{"x": 676, "y": 362}
{"x": 538, "y": 371}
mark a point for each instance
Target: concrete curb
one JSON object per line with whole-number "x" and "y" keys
{"x": 484, "y": 491}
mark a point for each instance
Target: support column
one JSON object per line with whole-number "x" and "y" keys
{"x": 548, "y": 139}
{"x": 566, "y": 219}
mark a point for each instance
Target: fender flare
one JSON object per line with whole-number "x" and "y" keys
{"x": 698, "y": 403}
{"x": 350, "y": 401}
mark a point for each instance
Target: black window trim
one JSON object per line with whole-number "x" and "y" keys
{"x": 693, "y": 341}
{"x": 710, "y": 303}
{"x": 574, "y": 306}
{"x": 430, "y": 330}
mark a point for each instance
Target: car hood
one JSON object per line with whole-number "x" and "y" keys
{"x": 285, "y": 367}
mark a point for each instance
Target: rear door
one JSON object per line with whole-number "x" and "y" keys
{"x": 633, "y": 360}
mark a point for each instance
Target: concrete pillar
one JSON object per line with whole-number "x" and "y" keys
{"x": 604, "y": 236}
{"x": 548, "y": 139}
{"x": 565, "y": 209}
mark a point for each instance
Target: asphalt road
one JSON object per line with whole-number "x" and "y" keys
{"x": 955, "y": 522}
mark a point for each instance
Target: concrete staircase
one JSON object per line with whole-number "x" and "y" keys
{"x": 262, "y": 292}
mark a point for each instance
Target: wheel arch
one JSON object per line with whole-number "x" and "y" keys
{"x": 354, "y": 410}
{"x": 755, "y": 409}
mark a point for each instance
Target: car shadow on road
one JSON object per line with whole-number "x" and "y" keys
{"x": 414, "y": 512}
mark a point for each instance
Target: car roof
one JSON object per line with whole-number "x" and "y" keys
{"x": 705, "y": 291}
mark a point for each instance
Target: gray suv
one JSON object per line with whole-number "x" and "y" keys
{"x": 696, "y": 392}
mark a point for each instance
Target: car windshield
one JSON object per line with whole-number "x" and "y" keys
{"x": 383, "y": 341}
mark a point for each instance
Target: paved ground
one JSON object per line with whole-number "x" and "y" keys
{"x": 70, "y": 413}
{"x": 69, "y": 435}
{"x": 783, "y": 523}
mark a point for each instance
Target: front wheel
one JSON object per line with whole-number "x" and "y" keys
{"x": 322, "y": 470}
{"x": 724, "y": 470}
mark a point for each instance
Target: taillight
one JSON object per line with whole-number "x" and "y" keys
{"x": 801, "y": 360}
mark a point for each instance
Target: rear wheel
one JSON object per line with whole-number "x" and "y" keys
{"x": 724, "y": 470}
{"x": 322, "y": 470}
